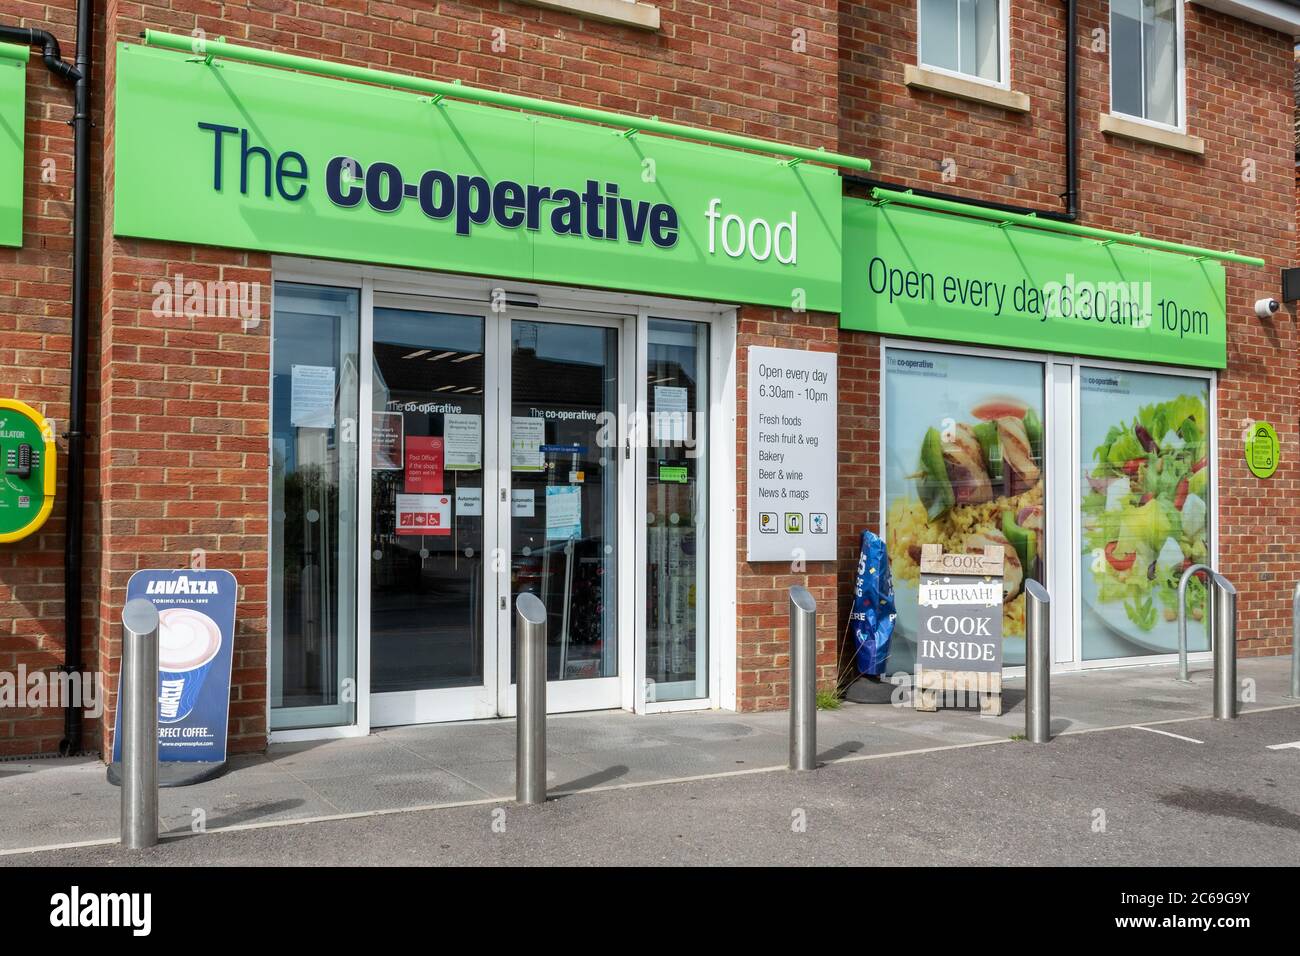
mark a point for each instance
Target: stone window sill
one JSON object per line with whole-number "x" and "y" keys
{"x": 919, "y": 78}
{"x": 642, "y": 16}
{"x": 1118, "y": 126}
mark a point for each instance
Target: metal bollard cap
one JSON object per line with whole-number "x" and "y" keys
{"x": 140, "y": 616}
{"x": 1037, "y": 591}
{"x": 531, "y": 608}
{"x": 802, "y": 598}
{"x": 1223, "y": 583}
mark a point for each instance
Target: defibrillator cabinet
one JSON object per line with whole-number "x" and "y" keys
{"x": 27, "y": 466}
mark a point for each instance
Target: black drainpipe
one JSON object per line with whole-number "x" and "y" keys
{"x": 1071, "y": 195}
{"x": 79, "y": 76}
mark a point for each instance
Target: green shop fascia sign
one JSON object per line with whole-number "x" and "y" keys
{"x": 913, "y": 272}
{"x": 243, "y": 156}
{"x": 13, "y": 101}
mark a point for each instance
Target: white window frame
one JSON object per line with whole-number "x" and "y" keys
{"x": 1180, "y": 31}
{"x": 1060, "y": 425}
{"x": 1003, "y": 82}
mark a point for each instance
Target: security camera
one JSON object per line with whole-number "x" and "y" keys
{"x": 1266, "y": 307}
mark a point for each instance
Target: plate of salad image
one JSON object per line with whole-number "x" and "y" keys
{"x": 1145, "y": 520}
{"x": 976, "y": 482}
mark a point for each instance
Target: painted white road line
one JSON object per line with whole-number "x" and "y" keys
{"x": 1165, "y": 733}
{"x": 1293, "y": 745}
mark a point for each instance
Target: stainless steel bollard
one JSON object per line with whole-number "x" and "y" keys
{"x": 1038, "y": 663}
{"x": 139, "y": 730}
{"x": 1225, "y": 649}
{"x": 1295, "y": 645}
{"x": 803, "y": 679}
{"x": 530, "y": 713}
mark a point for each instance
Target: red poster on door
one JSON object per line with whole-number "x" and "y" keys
{"x": 423, "y": 465}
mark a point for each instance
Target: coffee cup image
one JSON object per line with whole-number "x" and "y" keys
{"x": 188, "y": 642}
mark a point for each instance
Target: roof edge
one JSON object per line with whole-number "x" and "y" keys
{"x": 1274, "y": 14}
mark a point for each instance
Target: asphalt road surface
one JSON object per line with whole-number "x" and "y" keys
{"x": 1228, "y": 794}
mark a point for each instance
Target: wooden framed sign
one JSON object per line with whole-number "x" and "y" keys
{"x": 935, "y": 560}
{"x": 959, "y": 647}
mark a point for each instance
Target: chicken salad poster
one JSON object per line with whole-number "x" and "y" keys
{"x": 964, "y": 440}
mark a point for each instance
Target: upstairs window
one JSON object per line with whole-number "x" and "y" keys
{"x": 1146, "y": 60}
{"x": 964, "y": 37}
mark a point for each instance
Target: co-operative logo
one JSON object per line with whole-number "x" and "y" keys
{"x": 596, "y": 211}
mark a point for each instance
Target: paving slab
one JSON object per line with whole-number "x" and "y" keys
{"x": 58, "y": 801}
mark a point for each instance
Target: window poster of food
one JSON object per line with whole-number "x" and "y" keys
{"x": 964, "y": 469}
{"x": 1144, "y": 452}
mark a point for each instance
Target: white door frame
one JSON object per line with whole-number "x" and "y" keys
{"x": 472, "y": 295}
{"x": 720, "y": 514}
{"x": 445, "y": 703}
{"x": 598, "y": 693}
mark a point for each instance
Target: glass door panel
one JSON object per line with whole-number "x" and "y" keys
{"x": 427, "y": 505}
{"x": 677, "y": 484}
{"x": 314, "y": 396}
{"x": 964, "y": 468}
{"x": 1145, "y": 488}
{"x": 563, "y": 501}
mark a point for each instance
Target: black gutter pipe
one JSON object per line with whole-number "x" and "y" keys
{"x": 79, "y": 76}
{"x": 1071, "y": 195}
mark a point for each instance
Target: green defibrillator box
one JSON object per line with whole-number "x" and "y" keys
{"x": 27, "y": 460}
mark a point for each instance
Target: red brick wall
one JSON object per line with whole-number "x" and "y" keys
{"x": 1240, "y": 101}
{"x": 35, "y": 343}
{"x": 762, "y": 588}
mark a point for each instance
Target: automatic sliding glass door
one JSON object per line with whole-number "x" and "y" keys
{"x": 563, "y": 506}
{"x": 430, "y": 656}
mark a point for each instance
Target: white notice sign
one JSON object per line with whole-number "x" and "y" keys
{"x": 462, "y": 442}
{"x": 670, "y": 415}
{"x": 311, "y": 396}
{"x": 793, "y": 489}
{"x": 526, "y": 438}
{"x": 469, "y": 502}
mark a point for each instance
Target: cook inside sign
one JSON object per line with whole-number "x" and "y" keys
{"x": 961, "y": 618}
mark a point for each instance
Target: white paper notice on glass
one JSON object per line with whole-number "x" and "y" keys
{"x": 563, "y": 512}
{"x": 670, "y": 414}
{"x": 527, "y": 435}
{"x": 462, "y": 442}
{"x": 521, "y": 504}
{"x": 311, "y": 396}
{"x": 469, "y": 502}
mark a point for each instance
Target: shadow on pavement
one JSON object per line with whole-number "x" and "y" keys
{"x": 840, "y": 750}
{"x": 589, "y": 781}
{"x": 245, "y": 815}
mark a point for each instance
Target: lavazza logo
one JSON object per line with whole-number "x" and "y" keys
{"x": 75, "y": 909}
{"x": 181, "y": 585}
